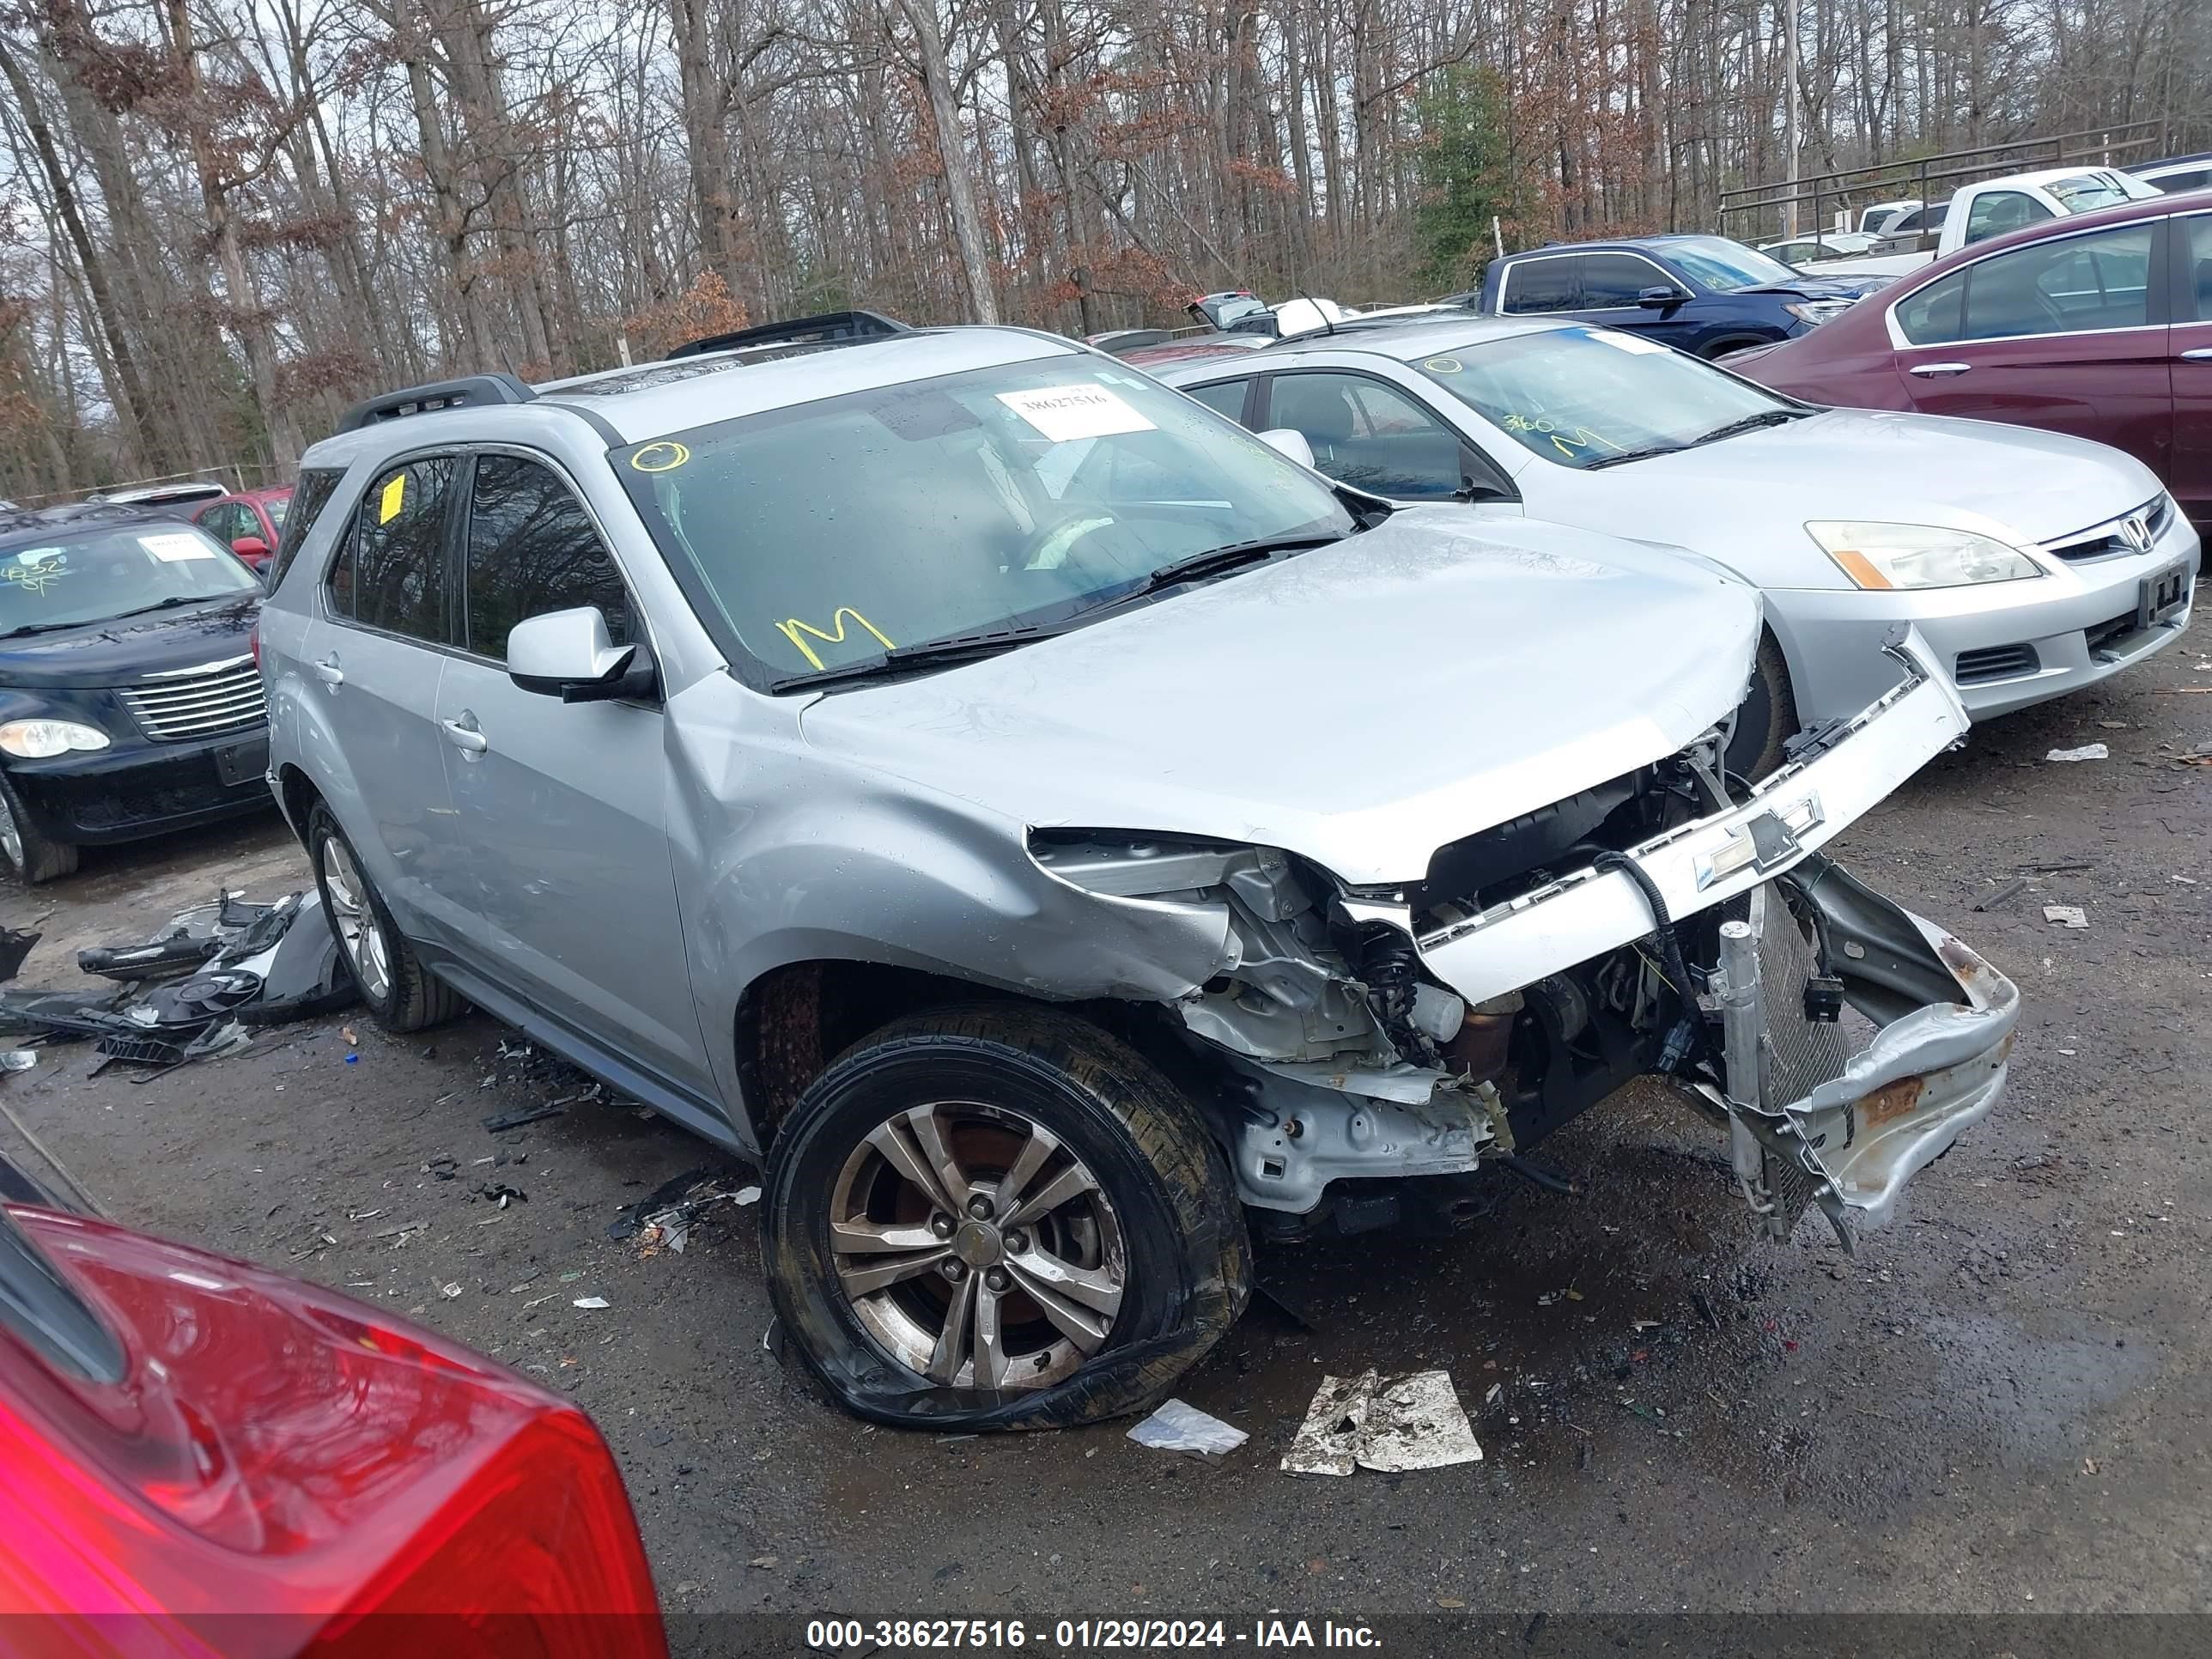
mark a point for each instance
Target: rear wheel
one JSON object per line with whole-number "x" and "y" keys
{"x": 1767, "y": 718}
{"x": 999, "y": 1217}
{"x": 399, "y": 991}
{"x": 28, "y": 851}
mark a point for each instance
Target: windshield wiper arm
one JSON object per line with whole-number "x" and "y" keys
{"x": 1218, "y": 562}
{"x": 19, "y": 632}
{"x": 173, "y": 600}
{"x": 1644, "y": 454}
{"x": 912, "y": 658}
{"x": 1750, "y": 423}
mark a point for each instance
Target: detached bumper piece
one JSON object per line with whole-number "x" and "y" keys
{"x": 1860, "y": 1041}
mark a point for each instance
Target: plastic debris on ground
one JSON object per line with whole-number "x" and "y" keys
{"x": 1413, "y": 1422}
{"x": 663, "y": 1218}
{"x": 14, "y": 945}
{"x": 591, "y": 1302}
{"x": 191, "y": 992}
{"x": 18, "y": 1060}
{"x": 2087, "y": 752}
{"x": 2067, "y": 916}
{"x": 1179, "y": 1427}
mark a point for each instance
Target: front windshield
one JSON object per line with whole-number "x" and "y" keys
{"x": 74, "y": 574}
{"x": 2087, "y": 193}
{"x": 1576, "y": 396}
{"x": 1727, "y": 267}
{"x": 829, "y": 532}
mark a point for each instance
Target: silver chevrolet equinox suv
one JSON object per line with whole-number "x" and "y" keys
{"x": 1057, "y": 833}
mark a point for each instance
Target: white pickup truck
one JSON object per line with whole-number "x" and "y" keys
{"x": 1977, "y": 212}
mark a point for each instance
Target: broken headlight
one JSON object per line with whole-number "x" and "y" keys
{"x": 1117, "y": 864}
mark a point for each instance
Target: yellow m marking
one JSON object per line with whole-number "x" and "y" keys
{"x": 791, "y": 630}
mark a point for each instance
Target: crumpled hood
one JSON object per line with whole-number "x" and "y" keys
{"x": 1360, "y": 704}
{"x": 2014, "y": 482}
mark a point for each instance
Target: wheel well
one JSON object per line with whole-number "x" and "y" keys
{"x": 794, "y": 1020}
{"x": 297, "y": 795}
{"x": 1726, "y": 342}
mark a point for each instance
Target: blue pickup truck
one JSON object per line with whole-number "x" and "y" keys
{"x": 1703, "y": 295}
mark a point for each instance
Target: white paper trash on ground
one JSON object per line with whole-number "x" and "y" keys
{"x": 2067, "y": 916}
{"x": 1179, "y": 1427}
{"x": 1413, "y": 1422}
{"x": 2087, "y": 752}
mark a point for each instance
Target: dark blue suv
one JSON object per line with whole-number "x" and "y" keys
{"x": 1702, "y": 294}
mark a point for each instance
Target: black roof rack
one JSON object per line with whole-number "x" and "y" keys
{"x": 830, "y": 328}
{"x": 469, "y": 390}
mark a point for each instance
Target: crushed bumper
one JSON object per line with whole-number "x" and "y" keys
{"x": 1842, "y": 1112}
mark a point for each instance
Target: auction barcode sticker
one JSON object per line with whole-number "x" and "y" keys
{"x": 1065, "y": 413}
{"x": 172, "y": 549}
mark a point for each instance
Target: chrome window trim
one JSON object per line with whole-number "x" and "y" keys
{"x": 1898, "y": 342}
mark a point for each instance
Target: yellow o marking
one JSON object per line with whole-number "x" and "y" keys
{"x": 677, "y": 455}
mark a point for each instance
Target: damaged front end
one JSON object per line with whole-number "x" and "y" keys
{"x": 1369, "y": 1050}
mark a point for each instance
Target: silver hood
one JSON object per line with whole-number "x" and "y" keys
{"x": 1360, "y": 704}
{"x": 1744, "y": 500}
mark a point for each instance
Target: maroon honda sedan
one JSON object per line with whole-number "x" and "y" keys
{"x": 2100, "y": 325}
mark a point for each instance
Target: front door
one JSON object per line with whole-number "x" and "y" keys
{"x": 375, "y": 654}
{"x": 2062, "y": 334}
{"x": 2191, "y": 367}
{"x": 563, "y": 805}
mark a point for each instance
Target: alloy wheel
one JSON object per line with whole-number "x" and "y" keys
{"x": 359, "y": 934}
{"x": 975, "y": 1248}
{"x": 11, "y": 835}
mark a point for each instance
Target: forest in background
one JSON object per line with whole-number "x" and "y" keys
{"x": 223, "y": 221}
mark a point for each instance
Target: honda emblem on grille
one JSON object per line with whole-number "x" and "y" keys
{"x": 2135, "y": 529}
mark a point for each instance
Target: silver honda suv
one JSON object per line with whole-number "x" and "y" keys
{"x": 1059, "y": 835}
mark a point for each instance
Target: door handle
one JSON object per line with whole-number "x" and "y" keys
{"x": 328, "y": 673}
{"x": 464, "y": 736}
{"x": 1928, "y": 371}
{"x": 2200, "y": 355}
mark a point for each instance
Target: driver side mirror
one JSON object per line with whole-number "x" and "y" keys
{"x": 567, "y": 654}
{"x": 1288, "y": 440}
{"x": 251, "y": 549}
{"x": 1662, "y": 296}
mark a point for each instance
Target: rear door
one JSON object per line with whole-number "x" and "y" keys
{"x": 562, "y": 804}
{"x": 384, "y": 622}
{"x": 2189, "y": 287}
{"x": 2068, "y": 333}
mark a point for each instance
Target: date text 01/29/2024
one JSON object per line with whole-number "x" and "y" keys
{"x": 1082, "y": 1635}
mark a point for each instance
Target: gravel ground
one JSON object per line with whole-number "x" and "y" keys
{"x": 2000, "y": 1405}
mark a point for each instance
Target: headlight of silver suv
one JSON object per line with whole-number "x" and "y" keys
{"x": 1882, "y": 556}
{"x": 44, "y": 739}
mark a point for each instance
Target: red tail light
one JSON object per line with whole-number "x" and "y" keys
{"x": 270, "y": 1448}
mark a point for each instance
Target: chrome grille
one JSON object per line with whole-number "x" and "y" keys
{"x": 219, "y": 699}
{"x": 2129, "y": 534}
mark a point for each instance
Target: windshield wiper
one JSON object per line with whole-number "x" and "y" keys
{"x": 1643, "y": 454}
{"x": 17, "y": 633}
{"x": 1750, "y": 423}
{"x": 914, "y": 658}
{"x": 173, "y": 600}
{"x": 1217, "y": 561}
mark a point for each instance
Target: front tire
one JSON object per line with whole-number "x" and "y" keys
{"x": 32, "y": 854}
{"x": 1768, "y": 716}
{"x": 999, "y": 1217}
{"x": 399, "y": 991}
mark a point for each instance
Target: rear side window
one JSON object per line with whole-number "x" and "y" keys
{"x": 1934, "y": 316}
{"x": 309, "y": 497}
{"x": 533, "y": 549}
{"x": 394, "y": 564}
{"x": 1222, "y": 397}
{"x": 1997, "y": 212}
{"x": 1540, "y": 285}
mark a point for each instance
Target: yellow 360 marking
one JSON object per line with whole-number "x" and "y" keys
{"x": 791, "y": 630}
{"x": 663, "y": 457}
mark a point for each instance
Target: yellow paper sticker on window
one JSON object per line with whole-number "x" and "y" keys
{"x": 394, "y": 498}
{"x": 791, "y": 630}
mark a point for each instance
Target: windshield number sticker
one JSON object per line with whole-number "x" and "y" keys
{"x": 1066, "y": 413}
{"x": 794, "y": 628}
{"x": 1635, "y": 344}
{"x": 176, "y": 549}
{"x": 36, "y": 569}
{"x": 393, "y": 498}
